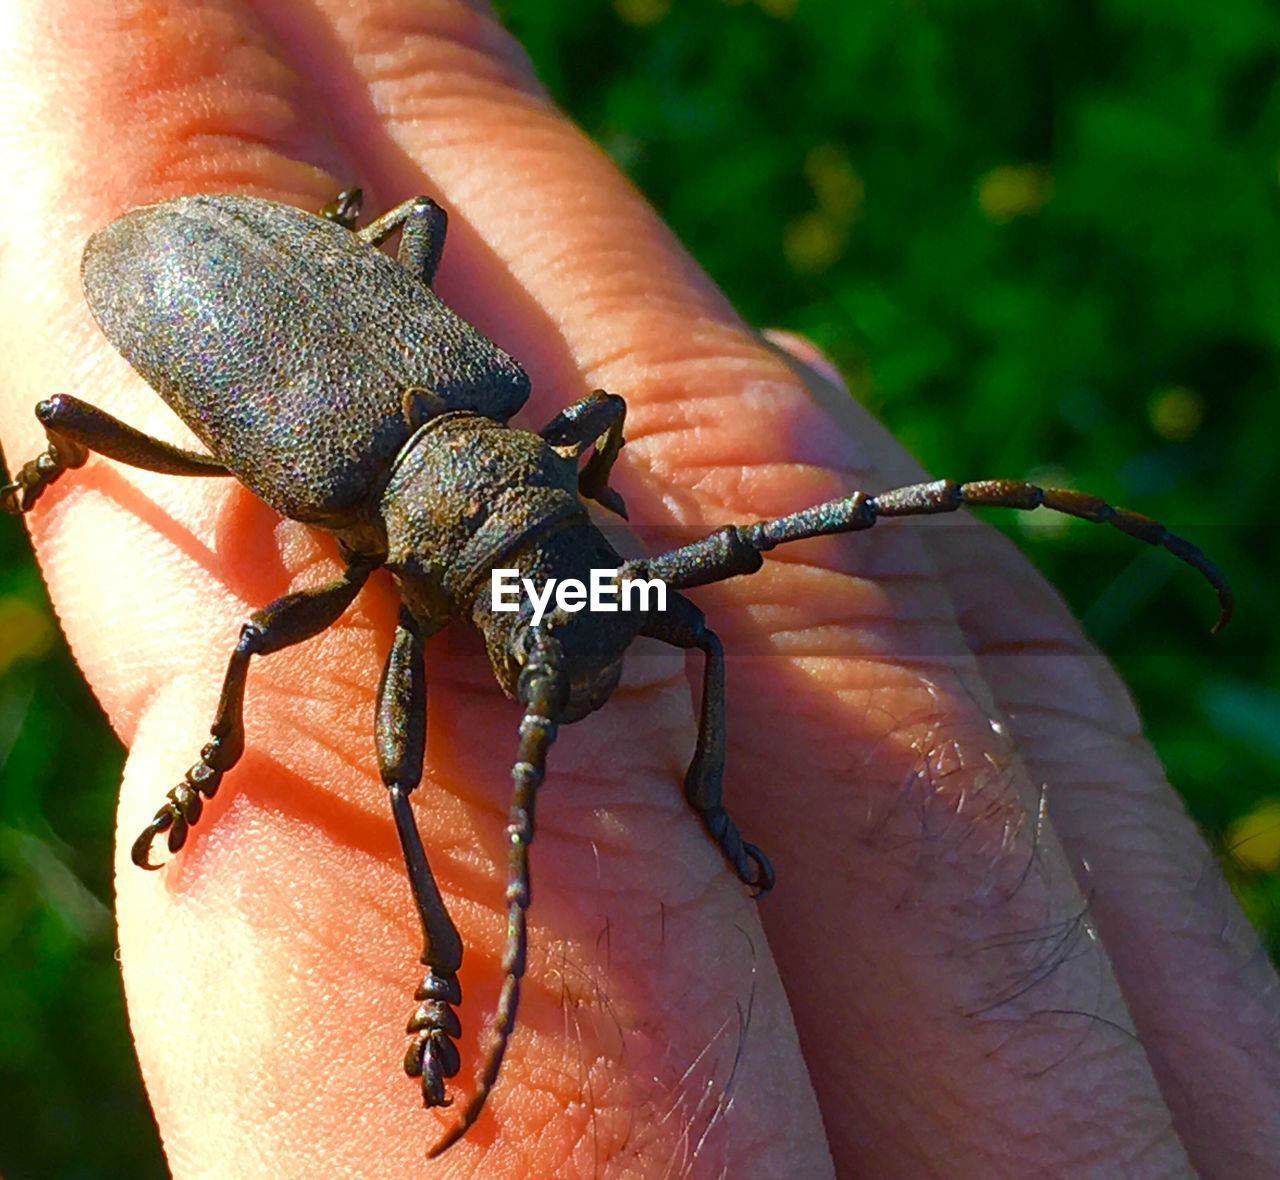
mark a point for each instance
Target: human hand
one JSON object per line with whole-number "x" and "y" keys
{"x": 931, "y": 925}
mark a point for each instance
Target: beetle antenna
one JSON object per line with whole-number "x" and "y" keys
{"x": 736, "y": 549}
{"x": 542, "y": 689}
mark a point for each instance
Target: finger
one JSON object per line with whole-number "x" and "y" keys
{"x": 892, "y": 770}
{"x": 1201, "y": 990}
{"x": 284, "y": 873}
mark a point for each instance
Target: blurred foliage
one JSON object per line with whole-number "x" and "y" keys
{"x": 73, "y": 1102}
{"x": 1037, "y": 238}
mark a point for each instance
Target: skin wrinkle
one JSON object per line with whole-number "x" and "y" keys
{"x": 611, "y": 298}
{"x": 431, "y": 35}
{"x": 753, "y": 474}
{"x": 266, "y": 122}
{"x": 862, "y": 641}
{"x": 200, "y": 97}
{"x": 607, "y": 293}
{"x": 710, "y": 357}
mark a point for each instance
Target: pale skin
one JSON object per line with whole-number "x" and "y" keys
{"x": 919, "y": 736}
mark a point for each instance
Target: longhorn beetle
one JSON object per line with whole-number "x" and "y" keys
{"x": 336, "y": 385}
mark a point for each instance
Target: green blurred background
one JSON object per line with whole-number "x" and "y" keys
{"x": 1040, "y": 239}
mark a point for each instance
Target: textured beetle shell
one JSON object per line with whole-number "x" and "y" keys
{"x": 444, "y": 541}
{"x": 287, "y": 344}
{"x": 520, "y": 510}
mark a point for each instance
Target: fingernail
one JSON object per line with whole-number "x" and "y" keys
{"x": 803, "y": 350}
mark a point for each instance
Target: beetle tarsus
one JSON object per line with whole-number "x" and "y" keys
{"x": 141, "y": 851}
{"x": 282, "y": 623}
{"x": 747, "y": 861}
{"x": 432, "y": 1054}
{"x": 183, "y": 810}
{"x": 20, "y": 496}
{"x": 597, "y": 421}
{"x": 344, "y": 209}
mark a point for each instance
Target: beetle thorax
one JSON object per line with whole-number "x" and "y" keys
{"x": 468, "y": 495}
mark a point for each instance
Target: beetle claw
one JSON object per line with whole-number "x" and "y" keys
{"x": 763, "y": 879}
{"x": 612, "y": 501}
{"x": 432, "y": 1057}
{"x": 140, "y": 853}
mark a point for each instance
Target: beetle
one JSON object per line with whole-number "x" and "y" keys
{"x": 332, "y": 381}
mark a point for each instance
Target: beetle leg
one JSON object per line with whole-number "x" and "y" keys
{"x": 402, "y": 738}
{"x": 74, "y": 428}
{"x": 596, "y": 419}
{"x": 737, "y": 549}
{"x": 422, "y": 224}
{"x": 289, "y": 620}
{"x": 542, "y": 689}
{"x": 683, "y": 625}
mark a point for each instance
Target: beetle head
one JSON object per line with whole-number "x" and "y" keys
{"x": 590, "y": 649}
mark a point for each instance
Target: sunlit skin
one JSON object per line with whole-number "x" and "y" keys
{"x": 919, "y": 736}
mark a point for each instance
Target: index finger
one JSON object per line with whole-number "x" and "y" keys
{"x": 270, "y": 971}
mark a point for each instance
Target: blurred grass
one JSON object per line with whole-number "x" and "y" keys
{"x": 73, "y": 1102}
{"x": 1037, "y": 238}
